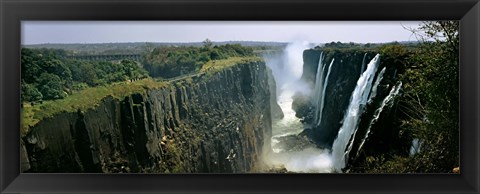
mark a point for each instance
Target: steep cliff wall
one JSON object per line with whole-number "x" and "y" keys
{"x": 377, "y": 132}
{"x": 215, "y": 122}
{"x": 346, "y": 70}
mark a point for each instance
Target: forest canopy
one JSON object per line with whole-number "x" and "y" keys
{"x": 49, "y": 74}
{"x": 167, "y": 62}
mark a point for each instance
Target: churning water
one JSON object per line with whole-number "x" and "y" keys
{"x": 287, "y": 73}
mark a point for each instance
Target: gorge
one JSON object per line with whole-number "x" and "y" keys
{"x": 338, "y": 108}
{"x": 237, "y": 97}
{"x": 218, "y": 121}
{"x": 302, "y": 109}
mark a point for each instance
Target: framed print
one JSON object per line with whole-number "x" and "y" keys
{"x": 239, "y": 96}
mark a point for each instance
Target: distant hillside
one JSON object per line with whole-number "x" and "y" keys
{"x": 139, "y": 47}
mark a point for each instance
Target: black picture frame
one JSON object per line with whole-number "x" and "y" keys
{"x": 12, "y": 12}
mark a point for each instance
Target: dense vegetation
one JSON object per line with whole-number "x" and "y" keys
{"x": 170, "y": 62}
{"x": 428, "y": 110}
{"x": 53, "y": 83}
{"x": 374, "y": 47}
{"x": 47, "y": 75}
{"x": 141, "y": 47}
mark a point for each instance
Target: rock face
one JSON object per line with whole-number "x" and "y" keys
{"x": 277, "y": 112}
{"x": 377, "y": 132}
{"x": 217, "y": 122}
{"x": 345, "y": 72}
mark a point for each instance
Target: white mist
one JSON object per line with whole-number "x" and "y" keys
{"x": 287, "y": 71}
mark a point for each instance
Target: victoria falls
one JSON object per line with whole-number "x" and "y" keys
{"x": 242, "y": 105}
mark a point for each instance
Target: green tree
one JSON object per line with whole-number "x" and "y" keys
{"x": 215, "y": 55}
{"x": 87, "y": 73}
{"x": 428, "y": 108}
{"x": 29, "y": 63}
{"x": 30, "y": 93}
{"x": 438, "y": 128}
{"x": 132, "y": 70}
{"x": 50, "y": 85}
{"x": 207, "y": 43}
{"x": 174, "y": 61}
{"x": 429, "y": 103}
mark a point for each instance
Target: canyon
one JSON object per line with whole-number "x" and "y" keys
{"x": 216, "y": 122}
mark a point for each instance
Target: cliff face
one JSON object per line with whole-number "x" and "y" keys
{"x": 215, "y": 122}
{"x": 346, "y": 69}
{"x": 377, "y": 130}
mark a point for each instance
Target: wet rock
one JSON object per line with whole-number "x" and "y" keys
{"x": 346, "y": 69}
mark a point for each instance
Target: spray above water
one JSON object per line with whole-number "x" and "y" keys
{"x": 293, "y": 56}
{"x": 287, "y": 72}
{"x": 309, "y": 160}
{"x": 288, "y": 68}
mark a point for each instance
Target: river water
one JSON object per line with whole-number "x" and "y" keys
{"x": 287, "y": 70}
{"x": 309, "y": 159}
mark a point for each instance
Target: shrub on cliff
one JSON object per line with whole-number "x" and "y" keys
{"x": 437, "y": 98}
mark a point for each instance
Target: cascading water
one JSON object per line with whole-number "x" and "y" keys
{"x": 317, "y": 95}
{"x": 350, "y": 122}
{"x": 322, "y": 102}
{"x": 416, "y": 146}
{"x": 319, "y": 90}
{"x": 387, "y": 101}
{"x": 375, "y": 85}
{"x": 363, "y": 63}
{"x": 311, "y": 158}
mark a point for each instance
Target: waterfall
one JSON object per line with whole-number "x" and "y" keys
{"x": 387, "y": 101}
{"x": 379, "y": 79}
{"x": 416, "y": 146}
{"x": 318, "y": 86}
{"x": 363, "y": 64}
{"x": 319, "y": 89}
{"x": 350, "y": 122}
{"x": 322, "y": 102}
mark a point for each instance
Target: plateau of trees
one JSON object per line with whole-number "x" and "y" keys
{"x": 167, "y": 62}
{"x": 48, "y": 75}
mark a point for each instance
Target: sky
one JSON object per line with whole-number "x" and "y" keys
{"x": 39, "y": 32}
